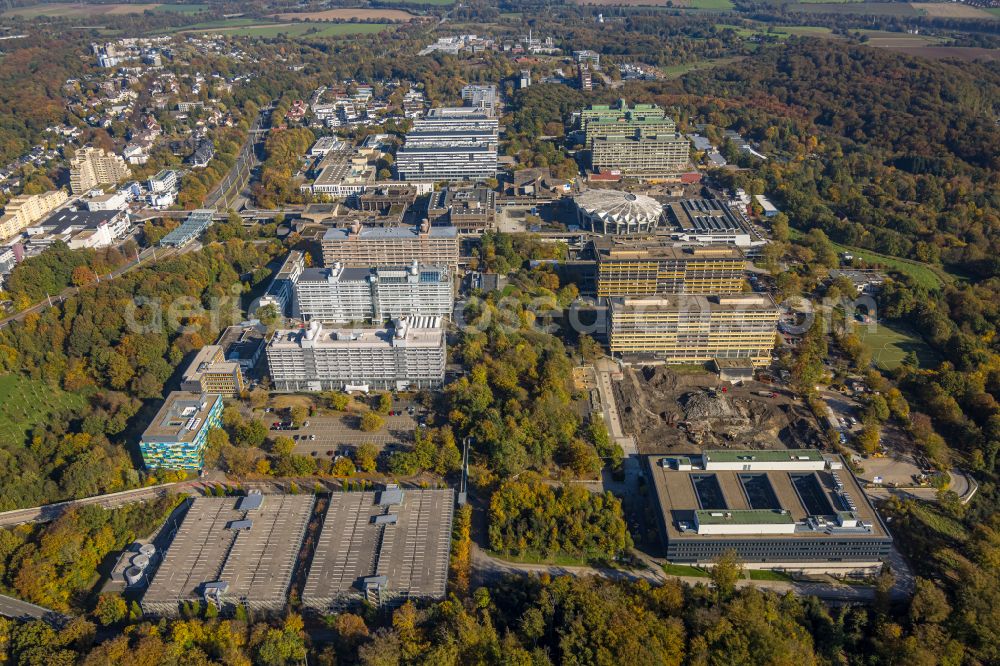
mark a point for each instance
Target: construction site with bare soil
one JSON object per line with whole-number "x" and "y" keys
{"x": 671, "y": 411}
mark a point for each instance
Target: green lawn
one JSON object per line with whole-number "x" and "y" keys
{"x": 720, "y": 5}
{"x": 182, "y": 9}
{"x": 25, "y": 403}
{"x": 684, "y": 570}
{"x": 778, "y": 32}
{"x": 889, "y": 344}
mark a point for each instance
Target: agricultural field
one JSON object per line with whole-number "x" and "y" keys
{"x": 439, "y": 3}
{"x": 269, "y": 30}
{"x": 83, "y": 9}
{"x": 25, "y": 403}
{"x": 899, "y": 9}
{"x": 890, "y": 344}
{"x": 952, "y": 10}
{"x": 348, "y": 14}
{"x": 674, "y": 4}
{"x": 961, "y": 52}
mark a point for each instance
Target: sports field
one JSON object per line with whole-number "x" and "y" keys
{"x": 25, "y": 403}
{"x": 81, "y": 9}
{"x": 890, "y": 344}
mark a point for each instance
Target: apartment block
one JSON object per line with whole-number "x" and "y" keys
{"x": 176, "y": 437}
{"x": 411, "y": 354}
{"x": 693, "y": 329}
{"x": 93, "y": 167}
{"x": 391, "y": 246}
{"x": 210, "y": 372}
{"x": 345, "y": 294}
{"x": 651, "y": 266}
{"x": 26, "y": 209}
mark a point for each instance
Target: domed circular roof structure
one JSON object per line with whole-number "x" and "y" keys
{"x": 617, "y": 212}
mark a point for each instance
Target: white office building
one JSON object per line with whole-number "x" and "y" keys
{"x": 411, "y": 354}
{"x": 346, "y": 294}
{"x": 455, "y": 143}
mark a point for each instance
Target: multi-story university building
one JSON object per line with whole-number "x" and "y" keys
{"x": 210, "y": 372}
{"x": 471, "y": 210}
{"x": 646, "y": 267}
{"x": 409, "y": 355}
{"x": 450, "y": 144}
{"x": 26, "y": 209}
{"x": 693, "y": 329}
{"x": 345, "y": 294}
{"x": 93, "y": 167}
{"x": 601, "y": 120}
{"x": 795, "y": 510}
{"x": 176, "y": 437}
{"x": 643, "y": 156}
{"x": 456, "y": 118}
{"x": 391, "y": 246}
{"x": 639, "y": 141}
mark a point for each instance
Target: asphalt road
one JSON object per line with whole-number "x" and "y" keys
{"x": 487, "y": 568}
{"x": 49, "y": 512}
{"x": 17, "y": 609}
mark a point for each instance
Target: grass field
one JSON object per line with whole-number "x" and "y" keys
{"x": 900, "y": 9}
{"x": 348, "y": 14}
{"x": 81, "y": 9}
{"x": 952, "y": 10}
{"x": 779, "y": 32}
{"x": 684, "y": 570}
{"x": 718, "y": 5}
{"x": 25, "y": 403}
{"x": 889, "y": 344}
{"x": 267, "y": 30}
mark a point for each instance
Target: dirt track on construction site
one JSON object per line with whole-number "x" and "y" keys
{"x": 673, "y": 412}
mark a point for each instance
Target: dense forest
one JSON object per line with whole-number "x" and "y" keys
{"x": 117, "y": 343}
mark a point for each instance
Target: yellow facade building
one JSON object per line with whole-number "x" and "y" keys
{"x": 693, "y": 329}
{"x": 646, "y": 267}
{"x": 26, "y": 209}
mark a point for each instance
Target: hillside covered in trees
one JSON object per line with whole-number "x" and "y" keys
{"x": 117, "y": 343}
